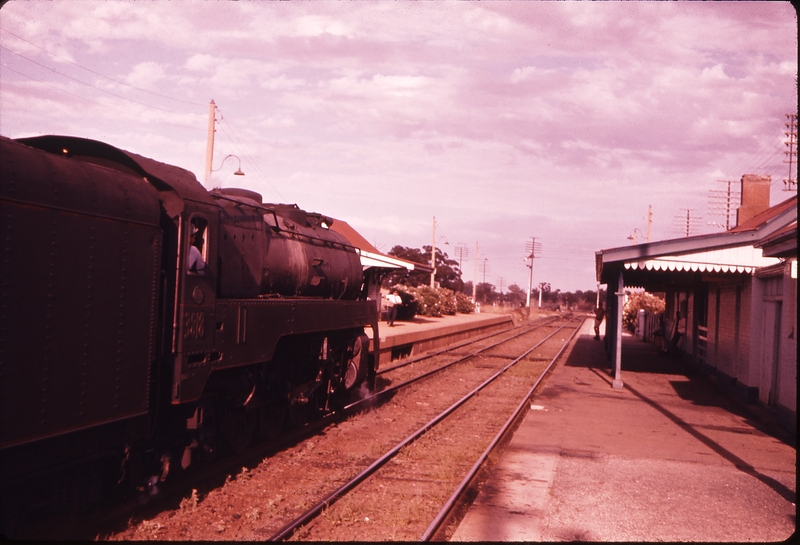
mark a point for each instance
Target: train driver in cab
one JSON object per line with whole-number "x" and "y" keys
{"x": 195, "y": 263}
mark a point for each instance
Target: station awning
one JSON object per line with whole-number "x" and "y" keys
{"x": 383, "y": 261}
{"x": 742, "y": 259}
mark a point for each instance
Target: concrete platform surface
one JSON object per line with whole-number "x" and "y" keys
{"x": 426, "y": 333}
{"x": 668, "y": 457}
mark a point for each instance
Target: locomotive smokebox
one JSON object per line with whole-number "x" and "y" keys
{"x": 281, "y": 250}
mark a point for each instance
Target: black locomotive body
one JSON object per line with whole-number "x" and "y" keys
{"x": 148, "y": 324}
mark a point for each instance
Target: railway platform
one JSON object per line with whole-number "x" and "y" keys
{"x": 422, "y": 333}
{"x": 668, "y": 457}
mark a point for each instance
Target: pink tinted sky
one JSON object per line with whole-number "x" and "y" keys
{"x": 506, "y": 120}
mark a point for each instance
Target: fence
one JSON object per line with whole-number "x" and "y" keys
{"x": 649, "y": 325}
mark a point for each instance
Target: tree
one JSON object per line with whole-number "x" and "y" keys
{"x": 413, "y": 278}
{"x": 515, "y": 295}
{"x": 485, "y": 292}
{"x": 448, "y": 275}
{"x": 545, "y": 287}
{"x": 467, "y": 288}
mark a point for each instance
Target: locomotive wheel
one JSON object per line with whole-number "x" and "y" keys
{"x": 356, "y": 368}
{"x": 272, "y": 419}
{"x": 238, "y": 428}
{"x": 351, "y": 374}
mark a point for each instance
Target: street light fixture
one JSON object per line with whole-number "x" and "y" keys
{"x": 633, "y": 235}
{"x": 238, "y": 170}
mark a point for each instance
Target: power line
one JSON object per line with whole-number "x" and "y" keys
{"x": 232, "y": 136}
{"x": 86, "y": 84}
{"x": 98, "y": 73}
{"x": 106, "y": 106}
{"x": 236, "y": 142}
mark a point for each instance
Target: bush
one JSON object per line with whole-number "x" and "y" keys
{"x": 640, "y": 301}
{"x": 437, "y": 302}
{"x": 464, "y": 304}
{"x": 429, "y": 301}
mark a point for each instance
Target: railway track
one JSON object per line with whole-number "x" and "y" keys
{"x": 378, "y": 437}
{"x": 416, "y": 472}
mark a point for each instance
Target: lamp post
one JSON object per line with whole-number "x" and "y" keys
{"x": 633, "y": 236}
{"x": 212, "y": 120}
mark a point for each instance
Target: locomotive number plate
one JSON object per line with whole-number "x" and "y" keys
{"x": 194, "y": 325}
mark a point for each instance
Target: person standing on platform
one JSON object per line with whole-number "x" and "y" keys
{"x": 599, "y": 314}
{"x": 393, "y": 300}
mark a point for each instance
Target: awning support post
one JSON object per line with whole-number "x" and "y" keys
{"x": 617, "y": 383}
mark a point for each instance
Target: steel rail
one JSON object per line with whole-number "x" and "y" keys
{"x": 287, "y": 531}
{"x": 541, "y": 322}
{"x": 458, "y": 493}
{"x": 355, "y": 406}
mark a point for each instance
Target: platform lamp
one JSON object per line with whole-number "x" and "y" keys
{"x": 238, "y": 171}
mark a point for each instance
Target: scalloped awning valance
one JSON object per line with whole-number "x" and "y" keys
{"x": 743, "y": 259}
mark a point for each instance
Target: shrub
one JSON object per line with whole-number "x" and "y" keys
{"x": 464, "y": 304}
{"x": 437, "y": 302}
{"x": 640, "y": 301}
{"x": 429, "y": 302}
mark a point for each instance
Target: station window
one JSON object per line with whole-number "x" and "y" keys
{"x": 198, "y": 246}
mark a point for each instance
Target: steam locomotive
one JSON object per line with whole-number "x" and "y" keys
{"x": 149, "y": 324}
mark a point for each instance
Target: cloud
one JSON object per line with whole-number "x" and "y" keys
{"x": 146, "y": 74}
{"x": 503, "y": 119}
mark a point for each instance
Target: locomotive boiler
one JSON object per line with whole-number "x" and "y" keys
{"x": 149, "y": 324}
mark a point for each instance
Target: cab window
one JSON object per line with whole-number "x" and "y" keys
{"x": 198, "y": 246}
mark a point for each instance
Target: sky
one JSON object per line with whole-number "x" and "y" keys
{"x": 566, "y": 122}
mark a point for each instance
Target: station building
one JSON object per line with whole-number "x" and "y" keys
{"x": 731, "y": 300}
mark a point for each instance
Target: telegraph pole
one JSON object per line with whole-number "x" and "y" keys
{"x": 724, "y": 202}
{"x": 212, "y": 109}
{"x": 649, "y": 223}
{"x": 531, "y": 248}
{"x": 433, "y": 254}
{"x": 461, "y": 252}
{"x": 790, "y": 183}
{"x": 475, "y": 276}
{"x": 686, "y": 225}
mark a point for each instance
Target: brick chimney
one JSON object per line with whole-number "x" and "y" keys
{"x": 755, "y": 197}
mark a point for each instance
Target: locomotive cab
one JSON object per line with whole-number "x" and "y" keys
{"x": 196, "y": 268}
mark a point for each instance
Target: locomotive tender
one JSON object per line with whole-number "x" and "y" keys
{"x": 148, "y": 324}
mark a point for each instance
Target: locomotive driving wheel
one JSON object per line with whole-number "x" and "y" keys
{"x": 356, "y": 362}
{"x": 238, "y": 427}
